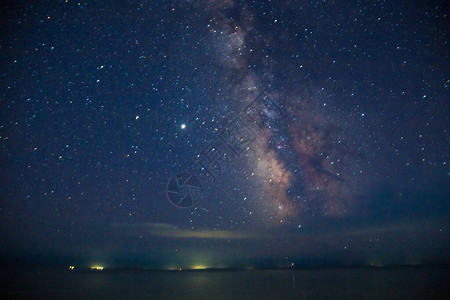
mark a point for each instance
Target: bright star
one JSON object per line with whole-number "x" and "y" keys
{"x": 183, "y": 126}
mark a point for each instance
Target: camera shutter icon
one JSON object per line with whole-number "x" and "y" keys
{"x": 183, "y": 190}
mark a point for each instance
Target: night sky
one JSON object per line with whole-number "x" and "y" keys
{"x": 317, "y": 132}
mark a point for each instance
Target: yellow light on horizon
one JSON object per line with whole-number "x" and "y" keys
{"x": 98, "y": 268}
{"x": 71, "y": 267}
{"x": 199, "y": 267}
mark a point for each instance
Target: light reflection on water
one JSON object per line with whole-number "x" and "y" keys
{"x": 373, "y": 283}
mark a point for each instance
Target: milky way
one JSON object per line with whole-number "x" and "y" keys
{"x": 304, "y": 164}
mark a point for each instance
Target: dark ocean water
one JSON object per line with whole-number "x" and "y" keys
{"x": 349, "y": 283}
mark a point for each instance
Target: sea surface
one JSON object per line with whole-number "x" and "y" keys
{"x": 344, "y": 283}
